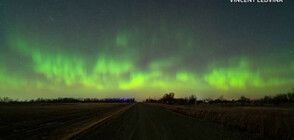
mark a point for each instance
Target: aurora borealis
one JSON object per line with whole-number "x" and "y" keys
{"x": 144, "y": 48}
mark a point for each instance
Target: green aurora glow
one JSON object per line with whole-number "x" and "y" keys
{"x": 135, "y": 61}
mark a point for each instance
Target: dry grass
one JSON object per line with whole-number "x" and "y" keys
{"x": 50, "y": 121}
{"x": 273, "y": 121}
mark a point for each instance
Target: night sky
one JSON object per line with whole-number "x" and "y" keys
{"x": 145, "y": 48}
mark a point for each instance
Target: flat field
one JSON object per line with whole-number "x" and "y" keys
{"x": 51, "y": 120}
{"x": 269, "y": 120}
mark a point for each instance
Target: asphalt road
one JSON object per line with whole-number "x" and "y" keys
{"x": 144, "y": 122}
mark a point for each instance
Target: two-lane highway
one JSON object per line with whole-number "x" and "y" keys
{"x": 145, "y": 122}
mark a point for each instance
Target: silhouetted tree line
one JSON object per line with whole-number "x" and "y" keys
{"x": 69, "y": 100}
{"x": 168, "y": 98}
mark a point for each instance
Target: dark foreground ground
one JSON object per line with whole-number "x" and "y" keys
{"x": 145, "y": 122}
{"x": 52, "y": 120}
